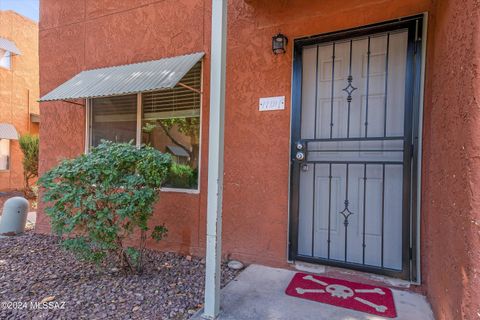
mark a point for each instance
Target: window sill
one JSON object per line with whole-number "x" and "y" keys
{"x": 180, "y": 190}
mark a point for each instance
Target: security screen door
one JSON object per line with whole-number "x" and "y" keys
{"x": 353, "y": 156}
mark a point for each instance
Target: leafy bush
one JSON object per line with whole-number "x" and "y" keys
{"x": 30, "y": 147}
{"x": 97, "y": 201}
{"x": 182, "y": 176}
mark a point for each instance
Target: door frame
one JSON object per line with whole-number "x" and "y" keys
{"x": 413, "y": 93}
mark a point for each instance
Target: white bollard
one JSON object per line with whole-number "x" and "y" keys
{"x": 14, "y": 216}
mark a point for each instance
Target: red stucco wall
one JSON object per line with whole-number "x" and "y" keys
{"x": 79, "y": 35}
{"x": 451, "y": 175}
{"x": 18, "y": 90}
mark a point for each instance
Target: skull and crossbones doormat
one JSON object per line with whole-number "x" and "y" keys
{"x": 341, "y": 293}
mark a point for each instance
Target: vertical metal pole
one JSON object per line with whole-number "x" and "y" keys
{"x": 88, "y": 122}
{"x": 368, "y": 87}
{"x": 215, "y": 159}
{"x": 364, "y": 210}
{"x": 333, "y": 90}
{"x": 138, "y": 135}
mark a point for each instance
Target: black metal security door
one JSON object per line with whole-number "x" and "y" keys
{"x": 354, "y": 133}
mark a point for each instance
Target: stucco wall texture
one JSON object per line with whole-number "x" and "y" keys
{"x": 451, "y": 175}
{"x": 19, "y": 89}
{"x": 78, "y": 35}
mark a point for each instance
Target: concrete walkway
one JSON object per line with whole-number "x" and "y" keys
{"x": 258, "y": 293}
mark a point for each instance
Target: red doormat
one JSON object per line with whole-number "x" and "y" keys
{"x": 341, "y": 293}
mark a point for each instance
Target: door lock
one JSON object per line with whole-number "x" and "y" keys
{"x": 300, "y": 148}
{"x": 300, "y": 156}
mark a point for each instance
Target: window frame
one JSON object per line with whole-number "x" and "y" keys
{"x": 9, "y": 159}
{"x": 9, "y": 56}
{"x": 88, "y": 134}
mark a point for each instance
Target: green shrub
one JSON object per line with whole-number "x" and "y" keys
{"x": 97, "y": 201}
{"x": 30, "y": 148}
{"x": 182, "y": 176}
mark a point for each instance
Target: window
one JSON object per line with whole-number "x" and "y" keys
{"x": 5, "y": 59}
{"x": 113, "y": 119}
{"x": 169, "y": 121}
{"x": 4, "y": 154}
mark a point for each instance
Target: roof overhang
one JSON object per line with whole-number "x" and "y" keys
{"x": 9, "y": 46}
{"x": 178, "y": 151}
{"x": 8, "y": 131}
{"x": 125, "y": 79}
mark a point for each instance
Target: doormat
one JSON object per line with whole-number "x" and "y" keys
{"x": 341, "y": 293}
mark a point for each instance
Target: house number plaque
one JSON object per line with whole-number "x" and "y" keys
{"x": 271, "y": 103}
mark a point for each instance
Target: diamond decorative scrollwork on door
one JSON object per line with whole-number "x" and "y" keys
{"x": 346, "y": 213}
{"x": 349, "y": 89}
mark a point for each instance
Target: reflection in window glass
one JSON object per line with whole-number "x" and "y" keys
{"x": 4, "y": 154}
{"x": 171, "y": 124}
{"x": 113, "y": 119}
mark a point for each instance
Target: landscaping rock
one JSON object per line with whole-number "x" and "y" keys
{"x": 35, "y": 268}
{"x": 235, "y": 265}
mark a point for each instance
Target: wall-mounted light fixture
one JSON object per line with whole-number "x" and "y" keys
{"x": 279, "y": 43}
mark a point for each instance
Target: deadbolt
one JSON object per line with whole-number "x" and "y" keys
{"x": 300, "y": 156}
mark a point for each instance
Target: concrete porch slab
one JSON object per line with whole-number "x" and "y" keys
{"x": 259, "y": 293}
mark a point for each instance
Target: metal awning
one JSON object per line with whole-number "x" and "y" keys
{"x": 8, "y": 131}
{"x": 9, "y": 46}
{"x": 126, "y": 79}
{"x": 178, "y": 151}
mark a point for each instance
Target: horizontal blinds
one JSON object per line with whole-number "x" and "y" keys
{"x": 113, "y": 109}
{"x": 179, "y": 101}
{"x": 176, "y": 102}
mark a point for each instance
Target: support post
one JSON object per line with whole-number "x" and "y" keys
{"x": 215, "y": 159}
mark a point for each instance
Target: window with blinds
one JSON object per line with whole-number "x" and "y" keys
{"x": 4, "y": 154}
{"x": 170, "y": 122}
{"x": 113, "y": 119}
{"x": 181, "y": 101}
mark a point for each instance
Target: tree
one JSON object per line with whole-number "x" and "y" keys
{"x": 97, "y": 201}
{"x": 190, "y": 127}
{"x": 29, "y": 144}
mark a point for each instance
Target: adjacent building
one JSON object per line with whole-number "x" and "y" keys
{"x": 351, "y": 128}
{"x": 19, "y": 90}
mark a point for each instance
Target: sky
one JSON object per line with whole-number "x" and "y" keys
{"x": 27, "y": 8}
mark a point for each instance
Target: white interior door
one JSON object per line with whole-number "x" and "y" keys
{"x": 352, "y": 131}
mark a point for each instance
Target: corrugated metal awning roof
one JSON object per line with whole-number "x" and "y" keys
{"x": 125, "y": 79}
{"x": 178, "y": 151}
{"x": 8, "y": 45}
{"x": 8, "y": 131}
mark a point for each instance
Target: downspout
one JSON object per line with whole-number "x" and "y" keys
{"x": 215, "y": 159}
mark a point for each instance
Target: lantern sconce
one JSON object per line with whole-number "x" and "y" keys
{"x": 279, "y": 43}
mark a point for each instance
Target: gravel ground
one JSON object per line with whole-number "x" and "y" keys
{"x": 34, "y": 269}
